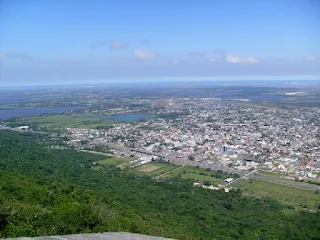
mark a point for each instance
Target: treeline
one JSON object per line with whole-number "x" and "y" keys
{"x": 45, "y": 192}
{"x": 173, "y": 115}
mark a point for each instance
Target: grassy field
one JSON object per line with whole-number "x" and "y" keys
{"x": 55, "y": 122}
{"x": 154, "y": 169}
{"x": 195, "y": 174}
{"x": 267, "y": 172}
{"x": 289, "y": 195}
{"x": 114, "y": 160}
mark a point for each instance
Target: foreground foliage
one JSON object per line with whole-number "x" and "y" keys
{"x": 45, "y": 191}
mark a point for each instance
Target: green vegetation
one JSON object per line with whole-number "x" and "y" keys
{"x": 267, "y": 172}
{"x": 314, "y": 182}
{"x": 103, "y": 149}
{"x": 45, "y": 191}
{"x": 200, "y": 175}
{"x": 113, "y": 160}
{"x": 173, "y": 115}
{"x": 155, "y": 169}
{"x": 30, "y": 207}
{"x": 60, "y": 121}
{"x": 288, "y": 195}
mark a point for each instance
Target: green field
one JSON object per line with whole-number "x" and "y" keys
{"x": 198, "y": 175}
{"x": 56, "y": 122}
{"x": 155, "y": 169}
{"x": 114, "y": 160}
{"x": 267, "y": 172}
{"x": 288, "y": 195}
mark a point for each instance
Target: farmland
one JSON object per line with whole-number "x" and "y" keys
{"x": 59, "y": 121}
{"x": 155, "y": 169}
{"x": 288, "y": 195}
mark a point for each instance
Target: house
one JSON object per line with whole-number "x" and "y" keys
{"x": 252, "y": 162}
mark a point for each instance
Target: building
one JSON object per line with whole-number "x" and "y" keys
{"x": 228, "y": 180}
{"x": 225, "y": 148}
{"x": 23, "y": 127}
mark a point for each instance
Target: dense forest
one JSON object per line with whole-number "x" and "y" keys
{"x": 46, "y": 192}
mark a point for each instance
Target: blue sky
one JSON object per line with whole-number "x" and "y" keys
{"x": 56, "y": 41}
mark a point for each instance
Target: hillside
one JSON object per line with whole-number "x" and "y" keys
{"x": 55, "y": 192}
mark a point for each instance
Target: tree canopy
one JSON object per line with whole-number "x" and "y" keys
{"x": 45, "y": 191}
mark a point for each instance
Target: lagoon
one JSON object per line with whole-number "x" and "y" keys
{"x": 33, "y": 111}
{"x": 254, "y": 98}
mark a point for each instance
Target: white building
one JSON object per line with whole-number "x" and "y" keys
{"x": 228, "y": 180}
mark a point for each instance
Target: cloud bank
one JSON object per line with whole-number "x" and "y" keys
{"x": 244, "y": 60}
{"x": 143, "y": 54}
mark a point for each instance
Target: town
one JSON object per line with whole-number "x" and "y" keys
{"x": 220, "y": 134}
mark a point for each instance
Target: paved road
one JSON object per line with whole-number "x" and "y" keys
{"x": 169, "y": 172}
{"x": 285, "y": 182}
{"x": 243, "y": 177}
{"x": 254, "y": 174}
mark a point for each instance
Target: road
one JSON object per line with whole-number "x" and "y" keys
{"x": 285, "y": 182}
{"x": 244, "y": 174}
{"x": 185, "y": 162}
{"x": 169, "y": 172}
{"x": 243, "y": 177}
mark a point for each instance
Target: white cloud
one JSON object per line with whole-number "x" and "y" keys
{"x": 143, "y": 54}
{"x": 311, "y": 58}
{"x": 245, "y": 60}
{"x": 212, "y": 60}
{"x": 113, "y": 44}
{"x": 118, "y": 45}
